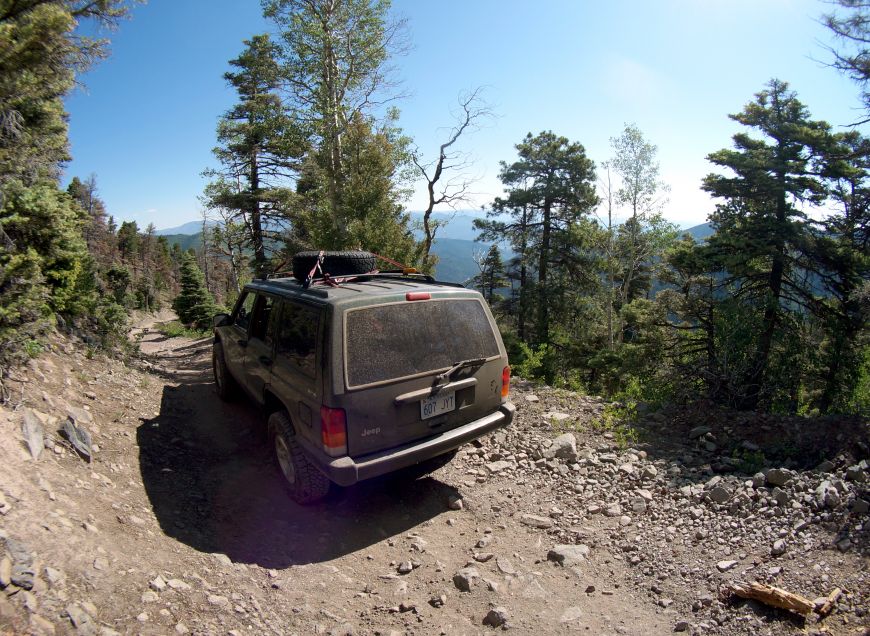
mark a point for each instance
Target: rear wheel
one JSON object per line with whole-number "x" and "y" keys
{"x": 303, "y": 481}
{"x": 225, "y": 384}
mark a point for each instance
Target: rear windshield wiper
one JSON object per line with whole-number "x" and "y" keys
{"x": 447, "y": 375}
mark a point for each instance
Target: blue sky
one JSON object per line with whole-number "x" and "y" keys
{"x": 145, "y": 121}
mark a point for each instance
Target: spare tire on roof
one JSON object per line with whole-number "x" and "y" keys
{"x": 334, "y": 263}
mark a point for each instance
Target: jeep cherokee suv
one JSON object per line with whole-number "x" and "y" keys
{"x": 363, "y": 374}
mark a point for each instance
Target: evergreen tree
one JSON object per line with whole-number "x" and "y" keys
{"x": 260, "y": 149}
{"x": 194, "y": 304}
{"x": 492, "y": 274}
{"x": 842, "y": 251}
{"x": 762, "y": 233}
{"x": 335, "y": 54}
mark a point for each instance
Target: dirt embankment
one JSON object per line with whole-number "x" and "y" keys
{"x": 179, "y": 524}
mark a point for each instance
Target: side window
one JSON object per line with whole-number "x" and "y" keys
{"x": 244, "y": 309}
{"x": 260, "y": 319}
{"x": 297, "y": 338}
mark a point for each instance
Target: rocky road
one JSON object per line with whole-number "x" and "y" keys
{"x": 179, "y": 523}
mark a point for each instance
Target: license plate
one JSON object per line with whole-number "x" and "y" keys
{"x": 437, "y": 404}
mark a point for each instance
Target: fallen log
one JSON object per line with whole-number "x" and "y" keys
{"x": 773, "y": 596}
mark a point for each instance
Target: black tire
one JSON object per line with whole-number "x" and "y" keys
{"x": 427, "y": 466}
{"x": 334, "y": 263}
{"x": 225, "y": 384}
{"x": 303, "y": 481}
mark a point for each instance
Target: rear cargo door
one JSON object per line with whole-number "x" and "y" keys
{"x": 397, "y": 356}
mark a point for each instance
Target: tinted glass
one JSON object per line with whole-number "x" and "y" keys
{"x": 244, "y": 309}
{"x": 297, "y": 337}
{"x": 262, "y": 311}
{"x": 393, "y": 341}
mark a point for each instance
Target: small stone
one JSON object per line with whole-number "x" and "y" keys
{"x": 699, "y": 431}
{"x": 780, "y": 496}
{"x": 613, "y": 510}
{"x": 181, "y": 628}
{"x": 649, "y": 472}
{"x": 568, "y": 555}
{"x": 464, "y": 578}
{"x": 724, "y": 566}
{"x": 719, "y": 494}
{"x": 563, "y": 447}
{"x": 536, "y": 521}
{"x": 531, "y": 397}
{"x": 455, "y": 502}
{"x": 860, "y": 507}
{"x": 177, "y": 584}
{"x": 33, "y": 433}
{"x": 438, "y": 601}
{"x": 496, "y": 617}
{"x": 778, "y": 548}
{"x": 149, "y": 596}
{"x": 80, "y": 619}
{"x": 101, "y": 563}
{"x": 53, "y": 576}
{"x": 218, "y": 600}
{"x": 5, "y": 571}
{"x": 571, "y": 614}
{"x": 778, "y": 476}
{"x": 158, "y": 584}
{"x": 404, "y": 567}
{"x": 555, "y": 416}
{"x": 482, "y": 557}
{"x": 23, "y": 576}
{"x": 223, "y": 559}
{"x": 497, "y": 467}
{"x": 143, "y": 617}
{"x": 505, "y": 567}
{"x": 856, "y": 473}
{"x": 681, "y": 626}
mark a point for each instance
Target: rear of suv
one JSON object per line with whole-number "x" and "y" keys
{"x": 365, "y": 374}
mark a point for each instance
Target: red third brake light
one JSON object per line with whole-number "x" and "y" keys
{"x": 333, "y": 431}
{"x": 417, "y": 296}
{"x": 505, "y": 382}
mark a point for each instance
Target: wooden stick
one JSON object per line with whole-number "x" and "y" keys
{"x": 773, "y": 596}
{"x": 833, "y": 597}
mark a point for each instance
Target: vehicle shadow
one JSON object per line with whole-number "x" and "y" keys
{"x": 212, "y": 485}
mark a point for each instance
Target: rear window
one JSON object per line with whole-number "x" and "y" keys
{"x": 385, "y": 342}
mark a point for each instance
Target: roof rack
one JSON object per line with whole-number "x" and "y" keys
{"x": 396, "y": 274}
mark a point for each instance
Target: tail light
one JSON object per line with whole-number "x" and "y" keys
{"x": 505, "y": 382}
{"x": 333, "y": 431}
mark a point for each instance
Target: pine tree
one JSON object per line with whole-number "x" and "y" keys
{"x": 762, "y": 233}
{"x": 335, "y": 55}
{"x": 492, "y": 274}
{"x": 194, "y": 304}
{"x": 260, "y": 150}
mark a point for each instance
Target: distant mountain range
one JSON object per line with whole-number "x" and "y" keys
{"x": 455, "y": 243}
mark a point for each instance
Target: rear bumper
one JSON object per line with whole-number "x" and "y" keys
{"x": 346, "y": 471}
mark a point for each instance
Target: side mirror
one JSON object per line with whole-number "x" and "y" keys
{"x": 221, "y": 320}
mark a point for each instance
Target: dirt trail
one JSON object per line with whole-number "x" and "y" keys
{"x": 181, "y": 524}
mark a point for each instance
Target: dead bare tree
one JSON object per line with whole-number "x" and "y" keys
{"x": 447, "y": 180}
